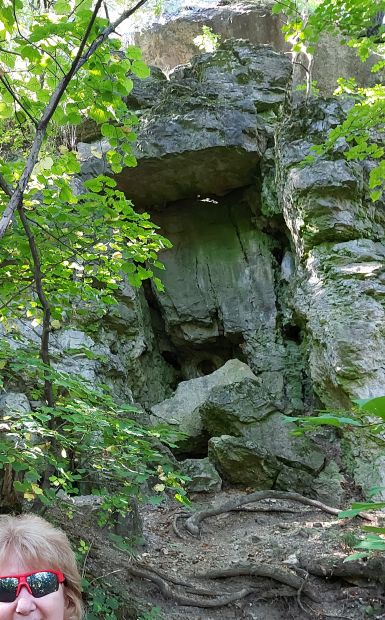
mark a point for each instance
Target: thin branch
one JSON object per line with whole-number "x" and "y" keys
{"x": 46, "y": 327}
{"x": 16, "y": 98}
{"x": 3, "y": 49}
{"x": 32, "y": 43}
{"x": 17, "y": 294}
{"x": 5, "y": 186}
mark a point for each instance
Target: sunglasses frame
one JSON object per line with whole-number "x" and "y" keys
{"x": 22, "y": 581}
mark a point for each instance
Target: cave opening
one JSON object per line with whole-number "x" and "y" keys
{"x": 190, "y": 359}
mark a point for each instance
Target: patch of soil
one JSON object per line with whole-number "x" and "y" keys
{"x": 273, "y": 559}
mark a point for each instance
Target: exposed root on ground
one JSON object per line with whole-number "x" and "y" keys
{"x": 207, "y": 598}
{"x": 192, "y": 524}
{"x": 373, "y": 569}
{"x": 276, "y": 573}
{"x": 183, "y": 514}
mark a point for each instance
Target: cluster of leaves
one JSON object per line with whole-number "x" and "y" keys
{"x": 88, "y": 239}
{"x": 208, "y": 41}
{"x": 86, "y": 442}
{"x": 359, "y": 25}
{"x": 88, "y": 244}
{"x": 368, "y": 416}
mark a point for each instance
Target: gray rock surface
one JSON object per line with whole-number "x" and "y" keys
{"x": 250, "y": 442}
{"x": 337, "y": 288}
{"x": 208, "y": 128}
{"x": 328, "y": 485}
{"x": 168, "y": 40}
{"x": 266, "y": 456}
{"x": 229, "y": 269}
{"x": 183, "y": 408}
{"x": 204, "y": 476}
{"x": 12, "y": 403}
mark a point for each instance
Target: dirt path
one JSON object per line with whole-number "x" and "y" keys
{"x": 265, "y": 559}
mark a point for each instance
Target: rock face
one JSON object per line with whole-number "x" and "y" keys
{"x": 274, "y": 288}
{"x": 209, "y": 128}
{"x": 277, "y": 265}
{"x": 168, "y": 40}
{"x": 209, "y": 133}
{"x": 338, "y": 284}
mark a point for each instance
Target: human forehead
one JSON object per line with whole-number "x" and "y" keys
{"x": 14, "y": 566}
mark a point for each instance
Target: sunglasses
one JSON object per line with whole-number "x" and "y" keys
{"x": 38, "y": 584}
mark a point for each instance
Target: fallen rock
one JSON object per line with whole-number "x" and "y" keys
{"x": 265, "y": 454}
{"x": 204, "y": 476}
{"x": 183, "y": 408}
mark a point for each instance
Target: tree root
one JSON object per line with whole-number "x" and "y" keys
{"x": 183, "y": 514}
{"x": 271, "y": 572}
{"x": 221, "y": 599}
{"x": 175, "y": 529}
{"x": 207, "y": 598}
{"x": 192, "y": 524}
{"x": 330, "y": 566}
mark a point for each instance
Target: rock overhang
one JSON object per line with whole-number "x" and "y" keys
{"x": 208, "y": 128}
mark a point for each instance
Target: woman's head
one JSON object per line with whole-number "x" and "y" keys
{"x": 29, "y": 543}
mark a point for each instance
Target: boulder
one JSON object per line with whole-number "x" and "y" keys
{"x": 167, "y": 40}
{"x": 236, "y": 409}
{"x": 183, "y": 408}
{"x": 204, "y": 476}
{"x": 251, "y": 444}
{"x": 266, "y": 454}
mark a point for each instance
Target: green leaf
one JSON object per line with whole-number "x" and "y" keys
{"x": 373, "y": 406}
{"x": 133, "y": 52}
{"x": 372, "y": 528}
{"x": 31, "y": 53}
{"x": 62, "y": 7}
{"x": 355, "y": 556}
{"x": 6, "y": 110}
{"x": 100, "y": 115}
{"x": 140, "y": 69}
{"x": 65, "y": 194}
{"x": 358, "y": 507}
{"x": 108, "y": 131}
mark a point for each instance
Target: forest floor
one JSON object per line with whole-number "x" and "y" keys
{"x": 273, "y": 559}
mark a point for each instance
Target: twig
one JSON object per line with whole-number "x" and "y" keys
{"x": 299, "y": 591}
{"x": 7, "y": 86}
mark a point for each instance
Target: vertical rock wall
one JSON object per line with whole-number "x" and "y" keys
{"x": 337, "y": 235}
